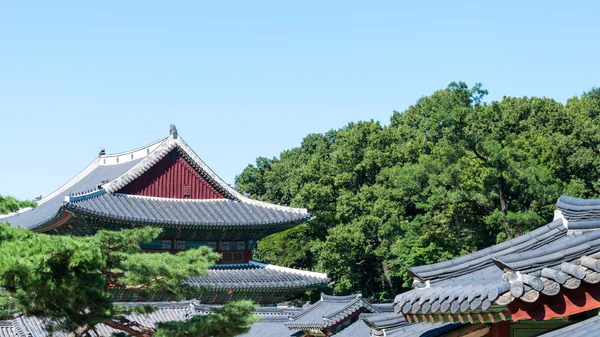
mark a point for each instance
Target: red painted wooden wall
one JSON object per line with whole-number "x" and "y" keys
{"x": 172, "y": 177}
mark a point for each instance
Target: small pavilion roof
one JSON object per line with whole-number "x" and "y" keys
{"x": 93, "y": 191}
{"x": 560, "y": 255}
{"x": 256, "y": 275}
{"x": 329, "y": 311}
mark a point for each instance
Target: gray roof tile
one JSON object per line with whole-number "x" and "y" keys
{"x": 544, "y": 260}
{"x": 257, "y": 275}
{"x": 212, "y": 212}
{"x": 48, "y": 208}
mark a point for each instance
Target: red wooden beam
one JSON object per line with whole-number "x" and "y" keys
{"x": 567, "y": 302}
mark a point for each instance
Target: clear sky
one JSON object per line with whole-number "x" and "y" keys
{"x": 252, "y": 78}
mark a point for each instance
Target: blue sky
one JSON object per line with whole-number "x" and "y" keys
{"x": 252, "y": 78}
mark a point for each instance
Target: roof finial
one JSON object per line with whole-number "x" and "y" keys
{"x": 102, "y": 152}
{"x": 173, "y": 130}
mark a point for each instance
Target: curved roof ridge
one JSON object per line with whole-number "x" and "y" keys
{"x": 87, "y": 170}
{"x": 565, "y": 200}
{"x": 289, "y": 270}
{"x": 345, "y": 298}
{"x": 168, "y": 199}
{"x": 237, "y": 195}
{"x": 148, "y": 146}
{"x": 343, "y": 312}
{"x": 97, "y": 162}
{"x": 140, "y": 168}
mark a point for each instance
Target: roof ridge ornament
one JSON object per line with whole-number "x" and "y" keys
{"x": 102, "y": 152}
{"x": 173, "y": 131}
{"x": 558, "y": 215}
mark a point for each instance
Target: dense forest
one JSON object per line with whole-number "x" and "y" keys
{"x": 449, "y": 175}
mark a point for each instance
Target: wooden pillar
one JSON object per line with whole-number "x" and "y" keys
{"x": 501, "y": 329}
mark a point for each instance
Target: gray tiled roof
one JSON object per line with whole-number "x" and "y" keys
{"x": 472, "y": 281}
{"x": 29, "y": 326}
{"x": 392, "y": 325}
{"x": 269, "y": 327}
{"x": 272, "y": 324}
{"x": 49, "y": 207}
{"x": 211, "y": 212}
{"x": 272, "y": 320}
{"x": 8, "y": 329}
{"x": 329, "y": 311}
{"x": 558, "y": 255}
{"x": 257, "y": 275}
{"x": 95, "y": 193}
{"x": 581, "y": 213}
{"x": 586, "y": 328}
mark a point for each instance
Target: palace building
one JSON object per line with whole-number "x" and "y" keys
{"x": 165, "y": 184}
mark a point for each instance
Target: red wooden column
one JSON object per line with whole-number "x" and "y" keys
{"x": 501, "y": 329}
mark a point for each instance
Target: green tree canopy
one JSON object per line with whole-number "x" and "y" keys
{"x": 9, "y": 204}
{"x": 449, "y": 175}
{"x": 69, "y": 281}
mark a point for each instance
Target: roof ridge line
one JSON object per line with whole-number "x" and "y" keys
{"x": 140, "y": 168}
{"x": 83, "y": 173}
{"x": 84, "y": 196}
{"x": 358, "y": 300}
{"x": 19, "y": 211}
{"x": 112, "y": 155}
{"x": 170, "y": 199}
{"x": 287, "y": 269}
{"x": 185, "y": 147}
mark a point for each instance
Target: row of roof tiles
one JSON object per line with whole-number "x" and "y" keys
{"x": 189, "y": 212}
{"x": 374, "y": 321}
{"x": 255, "y": 275}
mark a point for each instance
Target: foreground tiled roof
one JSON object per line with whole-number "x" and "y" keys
{"x": 587, "y": 328}
{"x": 329, "y": 311}
{"x": 557, "y": 255}
{"x": 469, "y": 282}
{"x": 256, "y": 275}
{"x": 185, "y": 212}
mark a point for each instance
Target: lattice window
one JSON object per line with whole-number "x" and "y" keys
{"x": 232, "y": 257}
{"x": 166, "y": 244}
{"x": 181, "y": 244}
{"x": 187, "y": 191}
{"x": 241, "y": 245}
{"x": 225, "y": 245}
{"x": 211, "y": 244}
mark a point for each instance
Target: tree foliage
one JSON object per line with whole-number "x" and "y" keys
{"x": 9, "y": 204}
{"x": 449, "y": 175}
{"x": 69, "y": 281}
